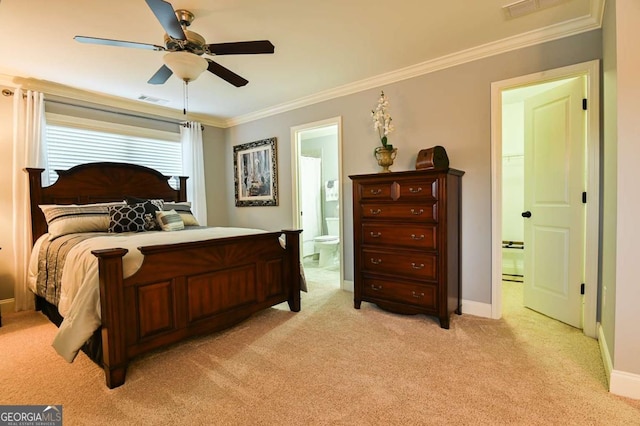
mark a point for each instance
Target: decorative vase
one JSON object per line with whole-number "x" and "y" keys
{"x": 385, "y": 157}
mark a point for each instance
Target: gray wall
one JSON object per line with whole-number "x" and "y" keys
{"x": 215, "y": 160}
{"x": 451, "y": 107}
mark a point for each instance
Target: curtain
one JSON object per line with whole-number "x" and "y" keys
{"x": 29, "y": 150}
{"x": 193, "y": 166}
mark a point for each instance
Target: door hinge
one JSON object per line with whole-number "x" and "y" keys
{"x": 582, "y": 288}
{"x": 584, "y": 198}
{"x": 584, "y": 104}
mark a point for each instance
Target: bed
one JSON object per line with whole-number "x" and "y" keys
{"x": 180, "y": 289}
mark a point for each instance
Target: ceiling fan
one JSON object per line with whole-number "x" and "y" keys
{"x": 185, "y": 48}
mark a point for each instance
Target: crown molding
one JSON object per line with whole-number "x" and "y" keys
{"x": 55, "y": 89}
{"x": 7, "y": 81}
{"x": 554, "y": 32}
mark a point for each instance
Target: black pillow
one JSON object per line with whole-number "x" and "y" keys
{"x": 126, "y": 218}
{"x": 150, "y": 209}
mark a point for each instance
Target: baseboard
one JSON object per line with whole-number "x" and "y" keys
{"x": 604, "y": 353}
{"x": 347, "y": 285}
{"x": 621, "y": 383}
{"x": 625, "y": 384}
{"x": 476, "y": 308}
{"x": 7, "y": 305}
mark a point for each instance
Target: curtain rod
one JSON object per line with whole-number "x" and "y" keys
{"x": 7, "y": 92}
{"x": 128, "y": 114}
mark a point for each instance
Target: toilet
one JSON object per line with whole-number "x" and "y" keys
{"x": 327, "y": 245}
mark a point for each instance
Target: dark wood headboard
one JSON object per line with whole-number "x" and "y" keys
{"x": 98, "y": 183}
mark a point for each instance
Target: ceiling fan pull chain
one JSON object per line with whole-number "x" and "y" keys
{"x": 185, "y": 95}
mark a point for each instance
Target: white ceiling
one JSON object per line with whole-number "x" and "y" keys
{"x": 322, "y": 48}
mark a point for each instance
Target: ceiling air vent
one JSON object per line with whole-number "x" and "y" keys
{"x": 524, "y": 7}
{"x": 153, "y": 100}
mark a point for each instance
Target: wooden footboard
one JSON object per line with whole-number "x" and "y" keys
{"x": 188, "y": 289}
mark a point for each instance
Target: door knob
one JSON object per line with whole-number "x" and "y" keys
{"x": 526, "y": 214}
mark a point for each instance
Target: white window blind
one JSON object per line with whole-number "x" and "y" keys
{"x": 76, "y": 141}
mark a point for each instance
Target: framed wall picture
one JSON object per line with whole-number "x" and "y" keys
{"x": 256, "y": 173}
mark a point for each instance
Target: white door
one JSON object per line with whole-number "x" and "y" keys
{"x": 554, "y": 232}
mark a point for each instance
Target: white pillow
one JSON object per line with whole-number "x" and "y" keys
{"x": 184, "y": 210}
{"x": 169, "y": 220}
{"x": 73, "y": 218}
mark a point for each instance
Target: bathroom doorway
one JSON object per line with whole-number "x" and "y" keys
{"x": 317, "y": 202}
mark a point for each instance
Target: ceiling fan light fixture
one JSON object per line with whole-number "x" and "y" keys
{"x": 185, "y": 65}
{"x": 185, "y": 47}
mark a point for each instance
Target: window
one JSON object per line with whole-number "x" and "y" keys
{"x": 72, "y": 141}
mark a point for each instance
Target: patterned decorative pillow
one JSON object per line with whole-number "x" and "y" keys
{"x": 74, "y": 218}
{"x": 184, "y": 210}
{"x": 126, "y": 218}
{"x": 150, "y": 209}
{"x": 169, "y": 220}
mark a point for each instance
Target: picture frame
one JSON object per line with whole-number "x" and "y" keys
{"x": 256, "y": 173}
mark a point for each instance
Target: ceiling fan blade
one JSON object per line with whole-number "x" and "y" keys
{"x": 167, "y": 17}
{"x": 119, "y": 43}
{"x": 161, "y": 76}
{"x": 226, "y": 74}
{"x": 241, "y": 48}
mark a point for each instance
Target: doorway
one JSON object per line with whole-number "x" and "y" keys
{"x": 511, "y": 253}
{"x": 317, "y": 167}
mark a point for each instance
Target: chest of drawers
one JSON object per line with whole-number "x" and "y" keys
{"x": 406, "y": 233}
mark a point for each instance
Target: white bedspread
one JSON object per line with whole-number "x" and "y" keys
{"x": 80, "y": 292}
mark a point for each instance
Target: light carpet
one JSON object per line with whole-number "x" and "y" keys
{"x": 331, "y": 364}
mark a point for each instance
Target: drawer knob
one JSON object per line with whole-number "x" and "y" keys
{"x": 417, "y": 237}
{"x": 417, "y": 212}
{"x": 376, "y": 287}
{"x": 375, "y": 212}
{"x": 376, "y": 235}
{"x": 417, "y": 295}
{"x": 376, "y": 191}
{"x": 376, "y": 261}
{"x": 415, "y": 190}
{"x": 416, "y": 266}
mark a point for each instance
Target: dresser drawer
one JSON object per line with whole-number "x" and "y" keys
{"x": 375, "y": 191}
{"x": 414, "y": 236}
{"x": 405, "y": 211}
{"x": 426, "y": 189}
{"x": 423, "y": 295}
{"x": 418, "y": 188}
{"x": 401, "y": 263}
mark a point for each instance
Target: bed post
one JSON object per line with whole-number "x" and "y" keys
{"x": 114, "y": 349}
{"x": 182, "y": 188}
{"x": 293, "y": 247}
